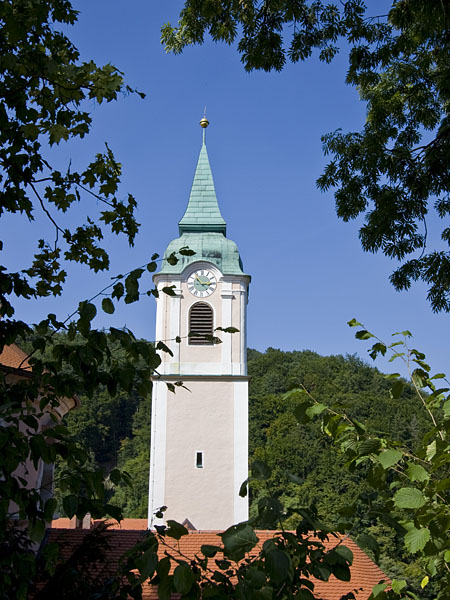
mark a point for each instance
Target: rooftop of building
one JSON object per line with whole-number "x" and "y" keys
{"x": 13, "y": 357}
{"x": 121, "y": 537}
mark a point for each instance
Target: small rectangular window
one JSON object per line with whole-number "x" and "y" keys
{"x": 199, "y": 460}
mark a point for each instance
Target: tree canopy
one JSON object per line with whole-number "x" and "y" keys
{"x": 395, "y": 171}
{"x": 46, "y": 96}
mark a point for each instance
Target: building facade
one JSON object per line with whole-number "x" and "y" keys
{"x": 199, "y": 434}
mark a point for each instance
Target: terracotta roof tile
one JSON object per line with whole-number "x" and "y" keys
{"x": 13, "y": 357}
{"x": 365, "y": 573}
{"x": 62, "y": 523}
{"x": 133, "y": 524}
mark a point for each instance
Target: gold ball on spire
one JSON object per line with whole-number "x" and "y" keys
{"x": 204, "y": 123}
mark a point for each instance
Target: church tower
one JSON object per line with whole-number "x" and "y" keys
{"x": 199, "y": 437}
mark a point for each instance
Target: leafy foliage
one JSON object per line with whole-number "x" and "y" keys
{"x": 296, "y": 468}
{"x": 395, "y": 170}
{"x": 410, "y": 486}
{"x": 45, "y": 94}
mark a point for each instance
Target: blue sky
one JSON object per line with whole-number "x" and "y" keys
{"x": 310, "y": 275}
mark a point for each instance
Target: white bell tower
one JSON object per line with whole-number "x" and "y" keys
{"x": 199, "y": 435}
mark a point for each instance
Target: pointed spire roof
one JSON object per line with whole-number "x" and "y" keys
{"x": 202, "y": 212}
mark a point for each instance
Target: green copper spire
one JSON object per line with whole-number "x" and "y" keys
{"x": 202, "y": 212}
{"x": 202, "y": 228}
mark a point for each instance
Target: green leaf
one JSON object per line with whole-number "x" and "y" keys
{"x": 368, "y": 446}
{"x": 146, "y": 564}
{"x": 243, "y": 490}
{"x": 301, "y": 412}
{"x": 391, "y": 375}
{"x": 354, "y": 323}
{"x": 183, "y": 578}
{"x": 256, "y": 577}
{"x": 398, "y": 585}
{"x": 341, "y": 571}
{"x": 70, "y": 505}
{"x": 169, "y": 290}
{"x": 165, "y": 588}
{"x": 49, "y": 509}
{"x": 239, "y": 539}
{"x": 186, "y": 251}
{"x": 118, "y": 290}
{"x": 56, "y": 133}
{"x": 87, "y": 310}
{"x": 377, "y": 589}
{"x": 443, "y": 484}
{"x": 115, "y": 476}
{"x": 162, "y": 346}
{"x": 37, "y": 531}
{"x": 260, "y": 470}
{"x": 417, "y": 473}
{"x": 446, "y": 408}
{"x": 315, "y": 409}
{"x": 345, "y": 553}
{"x": 210, "y": 551}
{"x": 163, "y": 568}
{"x": 376, "y": 349}
{"x": 176, "y": 530}
{"x": 172, "y": 259}
{"x": 431, "y": 451}
{"x": 416, "y": 539}
{"x": 397, "y": 389}
{"x": 409, "y": 498}
{"x": 278, "y": 564}
{"x": 108, "y": 306}
{"x": 363, "y": 335}
{"x": 389, "y": 458}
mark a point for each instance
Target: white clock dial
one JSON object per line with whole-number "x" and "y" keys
{"x": 202, "y": 283}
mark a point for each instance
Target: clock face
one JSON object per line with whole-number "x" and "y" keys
{"x": 202, "y": 283}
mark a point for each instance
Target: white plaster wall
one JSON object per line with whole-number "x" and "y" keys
{"x": 240, "y": 430}
{"x": 228, "y": 301}
{"x": 201, "y": 419}
{"x": 212, "y": 417}
{"x": 157, "y": 476}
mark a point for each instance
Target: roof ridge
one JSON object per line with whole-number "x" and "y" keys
{"x": 203, "y": 212}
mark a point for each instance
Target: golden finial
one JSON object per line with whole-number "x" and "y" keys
{"x": 204, "y": 122}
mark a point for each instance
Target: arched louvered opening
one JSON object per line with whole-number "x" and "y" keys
{"x": 201, "y": 324}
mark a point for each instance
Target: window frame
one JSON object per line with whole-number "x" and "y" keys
{"x": 199, "y": 342}
{"x": 202, "y": 461}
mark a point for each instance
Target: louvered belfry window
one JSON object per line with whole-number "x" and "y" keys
{"x": 201, "y": 324}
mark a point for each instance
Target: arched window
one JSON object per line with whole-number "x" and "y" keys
{"x": 201, "y": 324}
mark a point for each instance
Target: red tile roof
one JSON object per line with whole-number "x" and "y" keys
{"x": 14, "y": 358}
{"x": 364, "y": 572}
{"x": 63, "y": 523}
{"x": 133, "y": 524}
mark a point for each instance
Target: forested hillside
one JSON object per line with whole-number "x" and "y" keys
{"x": 306, "y": 468}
